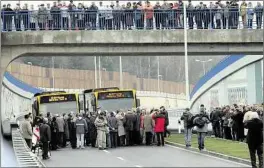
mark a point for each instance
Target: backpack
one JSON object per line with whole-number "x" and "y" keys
{"x": 200, "y": 122}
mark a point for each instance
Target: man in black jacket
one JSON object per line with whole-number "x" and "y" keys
{"x": 167, "y": 122}
{"x": 45, "y": 137}
{"x": 215, "y": 120}
{"x": 255, "y": 138}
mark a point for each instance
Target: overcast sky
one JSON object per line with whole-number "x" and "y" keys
{"x": 88, "y": 2}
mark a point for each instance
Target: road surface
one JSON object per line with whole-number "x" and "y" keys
{"x": 8, "y": 158}
{"x": 136, "y": 156}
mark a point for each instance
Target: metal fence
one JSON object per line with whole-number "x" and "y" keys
{"x": 23, "y": 154}
{"x": 130, "y": 19}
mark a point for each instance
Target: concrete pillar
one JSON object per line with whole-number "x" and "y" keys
{"x": 254, "y": 80}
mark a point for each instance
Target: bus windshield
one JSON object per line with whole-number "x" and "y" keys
{"x": 58, "y": 108}
{"x": 58, "y": 104}
{"x": 116, "y": 104}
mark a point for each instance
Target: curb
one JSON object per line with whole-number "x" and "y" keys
{"x": 219, "y": 155}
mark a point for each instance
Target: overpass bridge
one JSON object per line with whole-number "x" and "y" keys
{"x": 90, "y": 43}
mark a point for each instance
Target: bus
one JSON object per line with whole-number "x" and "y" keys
{"x": 110, "y": 99}
{"x": 56, "y": 102}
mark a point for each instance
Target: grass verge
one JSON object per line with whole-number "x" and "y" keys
{"x": 231, "y": 148}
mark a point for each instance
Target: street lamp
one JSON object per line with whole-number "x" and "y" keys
{"x": 120, "y": 72}
{"x": 104, "y": 75}
{"x": 53, "y": 75}
{"x": 95, "y": 71}
{"x": 203, "y": 62}
{"x": 159, "y": 77}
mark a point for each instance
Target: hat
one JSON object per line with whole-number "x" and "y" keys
{"x": 42, "y": 5}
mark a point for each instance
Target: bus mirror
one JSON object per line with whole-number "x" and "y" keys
{"x": 138, "y": 102}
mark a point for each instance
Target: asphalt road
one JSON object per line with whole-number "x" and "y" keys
{"x": 136, "y": 156}
{"x": 8, "y": 158}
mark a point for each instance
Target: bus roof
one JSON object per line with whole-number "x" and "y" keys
{"x": 101, "y": 89}
{"x": 47, "y": 93}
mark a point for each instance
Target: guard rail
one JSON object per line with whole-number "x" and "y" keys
{"x": 23, "y": 154}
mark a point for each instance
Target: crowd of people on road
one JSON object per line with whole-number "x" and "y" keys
{"x": 103, "y": 129}
{"x": 99, "y": 129}
{"x": 136, "y": 15}
{"x": 228, "y": 122}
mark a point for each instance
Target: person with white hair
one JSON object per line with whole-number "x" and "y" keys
{"x": 254, "y": 137}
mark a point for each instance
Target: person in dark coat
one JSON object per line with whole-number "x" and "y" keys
{"x": 136, "y": 133}
{"x": 93, "y": 130}
{"x": 215, "y": 120}
{"x": 45, "y": 137}
{"x": 167, "y": 122}
{"x": 129, "y": 121}
{"x": 54, "y": 134}
{"x": 113, "y": 126}
{"x": 72, "y": 131}
{"x": 238, "y": 124}
{"x": 87, "y": 134}
{"x": 255, "y": 138}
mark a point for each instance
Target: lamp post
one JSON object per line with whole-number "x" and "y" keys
{"x": 53, "y": 75}
{"x": 95, "y": 71}
{"x": 186, "y": 55}
{"x": 159, "y": 77}
{"x": 120, "y": 73}
{"x": 203, "y": 62}
{"x": 104, "y": 75}
{"x": 99, "y": 69}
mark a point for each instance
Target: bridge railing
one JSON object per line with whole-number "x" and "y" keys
{"x": 81, "y": 19}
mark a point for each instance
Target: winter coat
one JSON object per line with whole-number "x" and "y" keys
{"x": 148, "y": 123}
{"x": 113, "y": 124}
{"x": 66, "y": 128}
{"x": 215, "y": 117}
{"x": 42, "y": 15}
{"x": 204, "y": 129}
{"x": 120, "y": 123}
{"x": 61, "y": 123}
{"x": 45, "y": 134}
{"x": 185, "y": 116}
{"x": 92, "y": 127}
{"x": 137, "y": 122}
{"x": 101, "y": 123}
{"x": 159, "y": 123}
{"x": 129, "y": 120}
{"x": 255, "y": 132}
{"x": 26, "y": 129}
{"x": 250, "y": 13}
{"x": 81, "y": 126}
{"x": 33, "y": 16}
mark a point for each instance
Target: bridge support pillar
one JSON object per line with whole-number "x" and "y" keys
{"x": 5, "y": 59}
{"x": 254, "y": 88}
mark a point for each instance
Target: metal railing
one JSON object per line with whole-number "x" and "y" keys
{"x": 131, "y": 19}
{"x": 23, "y": 154}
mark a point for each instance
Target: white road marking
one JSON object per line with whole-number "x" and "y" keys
{"x": 120, "y": 158}
{"x": 209, "y": 156}
{"x": 106, "y": 151}
{"x": 138, "y": 166}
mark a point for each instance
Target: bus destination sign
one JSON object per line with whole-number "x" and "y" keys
{"x": 57, "y": 98}
{"x": 115, "y": 95}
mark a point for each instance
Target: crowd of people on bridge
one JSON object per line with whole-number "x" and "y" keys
{"x": 228, "y": 122}
{"x": 100, "y": 129}
{"x": 136, "y": 15}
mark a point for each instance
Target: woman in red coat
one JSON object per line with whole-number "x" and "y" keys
{"x": 159, "y": 127}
